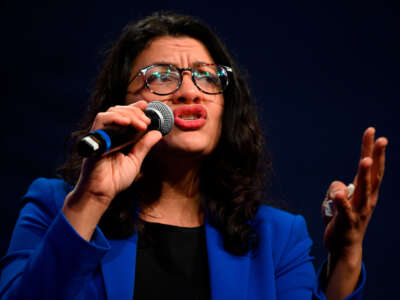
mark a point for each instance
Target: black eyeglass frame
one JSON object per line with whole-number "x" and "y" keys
{"x": 181, "y": 70}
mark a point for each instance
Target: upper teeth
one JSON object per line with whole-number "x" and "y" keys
{"x": 190, "y": 117}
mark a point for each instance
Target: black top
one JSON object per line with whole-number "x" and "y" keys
{"x": 171, "y": 263}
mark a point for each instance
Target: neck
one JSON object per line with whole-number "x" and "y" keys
{"x": 172, "y": 196}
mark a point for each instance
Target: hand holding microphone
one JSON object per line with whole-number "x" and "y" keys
{"x": 113, "y": 138}
{"x": 107, "y": 172}
{"x": 104, "y": 175}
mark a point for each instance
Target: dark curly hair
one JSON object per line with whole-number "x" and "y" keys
{"x": 232, "y": 178}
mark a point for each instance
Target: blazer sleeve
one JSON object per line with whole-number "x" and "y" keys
{"x": 294, "y": 272}
{"x": 356, "y": 295}
{"x": 47, "y": 258}
{"x": 295, "y": 275}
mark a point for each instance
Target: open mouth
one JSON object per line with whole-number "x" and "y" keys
{"x": 190, "y": 117}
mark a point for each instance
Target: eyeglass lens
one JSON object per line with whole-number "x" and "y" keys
{"x": 164, "y": 79}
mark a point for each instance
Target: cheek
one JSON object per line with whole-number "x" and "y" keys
{"x": 137, "y": 91}
{"x": 137, "y": 84}
{"x": 219, "y": 129}
{"x": 219, "y": 114}
{"x": 216, "y": 128}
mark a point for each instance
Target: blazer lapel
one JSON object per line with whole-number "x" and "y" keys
{"x": 228, "y": 273}
{"x": 118, "y": 268}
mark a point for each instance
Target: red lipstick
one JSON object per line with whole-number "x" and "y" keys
{"x": 190, "y": 117}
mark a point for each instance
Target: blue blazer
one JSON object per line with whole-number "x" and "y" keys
{"x": 47, "y": 259}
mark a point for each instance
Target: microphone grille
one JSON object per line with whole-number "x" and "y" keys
{"x": 161, "y": 115}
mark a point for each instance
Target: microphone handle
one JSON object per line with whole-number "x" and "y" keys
{"x": 108, "y": 140}
{"x": 114, "y": 137}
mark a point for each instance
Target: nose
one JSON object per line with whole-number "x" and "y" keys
{"x": 188, "y": 93}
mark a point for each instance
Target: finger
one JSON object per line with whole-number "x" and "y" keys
{"x": 367, "y": 145}
{"x": 140, "y": 150}
{"x": 142, "y": 104}
{"x": 335, "y": 187}
{"x": 132, "y": 111}
{"x": 328, "y": 206}
{"x": 342, "y": 204}
{"x": 107, "y": 118}
{"x": 338, "y": 207}
{"x": 363, "y": 184}
{"x": 378, "y": 166}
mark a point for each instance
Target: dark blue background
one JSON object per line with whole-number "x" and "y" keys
{"x": 320, "y": 72}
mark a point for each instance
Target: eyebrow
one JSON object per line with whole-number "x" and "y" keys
{"x": 196, "y": 63}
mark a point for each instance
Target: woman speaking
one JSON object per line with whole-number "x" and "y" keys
{"x": 181, "y": 216}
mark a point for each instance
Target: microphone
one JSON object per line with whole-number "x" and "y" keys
{"x": 114, "y": 137}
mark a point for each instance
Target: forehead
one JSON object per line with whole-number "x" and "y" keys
{"x": 180, "y": 51}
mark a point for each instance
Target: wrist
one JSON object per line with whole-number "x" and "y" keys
{"x": 347, "y": 256}
{"x": 84, "y": 212}
{"x": 343, "y": 272}
{"x": 82, "y": 197}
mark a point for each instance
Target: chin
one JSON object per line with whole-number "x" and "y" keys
{"x": 188, "y": 145}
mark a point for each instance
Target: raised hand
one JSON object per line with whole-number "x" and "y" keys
{"x": 346, "y": 228}
{"x": 350, "y": 214}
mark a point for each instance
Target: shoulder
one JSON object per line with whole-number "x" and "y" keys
{"x": 48, "y": 194}
{"x": 281, "y": 231}
{"x": 277, "y": 219}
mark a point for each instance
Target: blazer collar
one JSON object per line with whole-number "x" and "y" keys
{"x": 228, "y": 273}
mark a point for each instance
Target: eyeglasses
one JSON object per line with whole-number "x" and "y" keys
{"x": 165, "y": 79}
